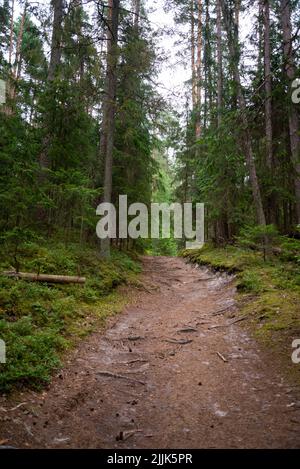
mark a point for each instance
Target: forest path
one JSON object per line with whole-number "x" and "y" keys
{"x": 155, "y": 378}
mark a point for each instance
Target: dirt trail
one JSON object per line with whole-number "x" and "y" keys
{"x": 156, "y": 377}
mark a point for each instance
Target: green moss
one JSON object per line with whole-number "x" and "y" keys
{"x": 38, "y": 322}
{"x": 269, "y": 292}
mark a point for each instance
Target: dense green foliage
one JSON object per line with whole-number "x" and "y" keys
{"x": 211, "y": 166}
{"x": 51, "y": 168}
{"x": 38, "y": 321}
{"x": 51, "y": 174}
{"x": 56, "y": 61}
{"x": 269, "y": 290}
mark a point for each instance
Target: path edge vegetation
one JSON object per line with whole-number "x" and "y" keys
{"x": 267, "y": 292}
{"x": 41, "y": 323}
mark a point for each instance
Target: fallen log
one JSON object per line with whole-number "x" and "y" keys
{"x": 44, "y": 277}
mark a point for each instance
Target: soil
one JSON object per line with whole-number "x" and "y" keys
{"x": 174, "y": 370}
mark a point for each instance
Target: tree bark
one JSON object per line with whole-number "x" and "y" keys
{"x": 220, "y": 63}
{"x": 11, "y": 36}
{"x": 44, "y": 277}
{"x": 271, "y": 202}
{"x": 208, "y": 75}
{"x": 260, "y": 55}
{"x": 136, "y": 13}
{"x": 199, "y": 70}
{"x": 55, "y": 60}
{"x": 193, "y": 63}
{"x": 16, "y": 68}
{"x": 268, "y": 86}
{"x": 293, "y": 113}
{"x": 18, "y": 59}
{"x": 109, "y": 108}
{"x": 231, "y": 27}
{"x": 55, "y": 57}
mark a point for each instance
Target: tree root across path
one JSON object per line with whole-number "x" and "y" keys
{"x": 169, "y": 372}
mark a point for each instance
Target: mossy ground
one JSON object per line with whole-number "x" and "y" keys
{"x": 38, "y": 322}
{"x": 268, "y": 292}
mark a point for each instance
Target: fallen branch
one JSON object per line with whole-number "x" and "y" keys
{"x": 17, "y": 406}
{"x": 239, "y": 319}
{"x": 44, "y": 277}
{"x": 222, "y": 357}
{"x": 179, "y": 341}
{"x": 127, "y": 434}
{"x": 229, "y": 323}
{"x": 138, "y": 360}
{"x": 220, "y": 311}
{"x": 187, "y": 329}
{"x": 205, "y": 279}
{"x": 114, "y": 375}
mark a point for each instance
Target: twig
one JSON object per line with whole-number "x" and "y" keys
{"x": 114, "y": 375}
{"x": 187, "y": 329}
{"x": 179, "y": 341}
{"x": 239, "y": 319}
{"x": 130, "y": 433}
{"x": 17, "y": 406}
{"x": 229, "y": 323}
{"x": 28, "y": 429}
{"x": 138, "y": 360}
{"x": 205, "y": 279}
{"x": 222, "y": 357}
{"x": 220, "y": 311}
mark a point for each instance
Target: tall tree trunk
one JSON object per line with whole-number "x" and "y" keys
{"x": 268, "y": 86}
{"x": 222, "y": 228}
{"x": 293, "y": 112}
{"x": 108, "y": 125}
{"x": 260, "y": 55}
{"x": 7, "y": 105}
{"x": 193, "y": 63}
{"x": 199, "y": 70}
{"x": 76, "y": 5}
{"x": 220, "y": 62}
{"x": 55, "y": 57}
{"x": 231, "y": 27}
{"x": 136, "y": 13}
{"x": 55, "y": 60}
{"x": 237, "y": 9}
{"x": 208, "y": 76}
{"x": 265, "y": 9}
{"x": 11, "y": 36}
{"x": 18, "y": 59}
{"x": 16, "y": 68}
